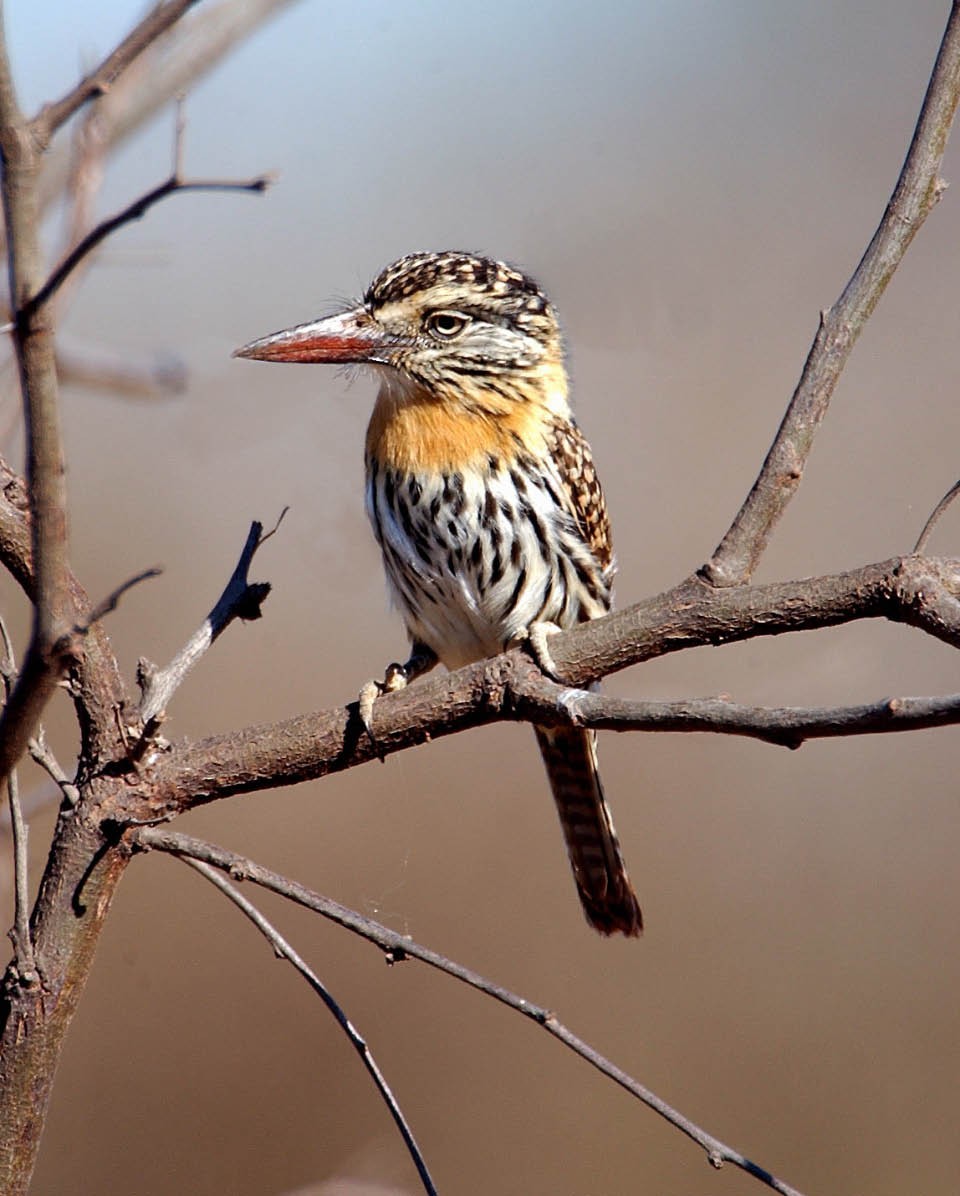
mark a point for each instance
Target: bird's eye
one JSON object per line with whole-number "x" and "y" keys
{"x": 446, "y": 324}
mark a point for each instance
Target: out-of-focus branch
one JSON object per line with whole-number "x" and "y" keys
{"x": 283, "y": 949}
{"x": 399, "y": 947}
{"x": 917, "y": 192}
{"x": 101, "y": 78}
{"x": 106, "y": 371}
{"x": 51, "y": 648}
{"x": 134, "y": 211}
{"x": 165, "y": 70}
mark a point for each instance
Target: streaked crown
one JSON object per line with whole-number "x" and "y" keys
{"x": 457, "y": 319}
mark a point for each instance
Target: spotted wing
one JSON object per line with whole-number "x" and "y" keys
{"x": 582, "y": 489}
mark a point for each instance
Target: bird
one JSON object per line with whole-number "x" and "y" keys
{"x": 483, "y": 496}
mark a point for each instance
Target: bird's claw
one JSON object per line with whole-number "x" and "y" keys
{"x": 395, "y": 678}
{"x": 536, "y": 640}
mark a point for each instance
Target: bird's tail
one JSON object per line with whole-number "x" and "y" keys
{"x": 606, "y": 893}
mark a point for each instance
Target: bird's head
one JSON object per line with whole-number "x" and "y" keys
{"x": 451, "y": 325}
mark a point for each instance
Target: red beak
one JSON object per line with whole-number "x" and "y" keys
{"x": 347, "y": 337}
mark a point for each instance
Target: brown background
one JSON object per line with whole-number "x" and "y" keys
{"x": 692, "y": 183}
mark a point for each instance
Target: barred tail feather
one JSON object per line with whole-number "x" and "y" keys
{"x": 605, "y": 890}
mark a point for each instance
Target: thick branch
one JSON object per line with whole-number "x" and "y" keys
{"x": 51, "y": 649}
{"x": 97, "y": 687}
{"x": 915, "y": 590}
{"x": 917, "y": 192}
{"x": 399, "y": 947}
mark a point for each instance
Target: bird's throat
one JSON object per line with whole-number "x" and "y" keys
{"x": 413, "y": 430}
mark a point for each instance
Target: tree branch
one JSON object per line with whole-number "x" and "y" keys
{"x": 51, "y": 648}
{"x": 99, "y": 80}
{"x": 134, "y": 211}
{"x": 917, "y": 191}
{"x": 283, "y": 949}
{"x": 546, "y": 702}
{"x": 186, "y": 52}
{"x": 398, "y": 947}
{"x": 241, "y": 599}
{"x": 915, "y": 590}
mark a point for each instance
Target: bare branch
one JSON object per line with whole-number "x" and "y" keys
{"x": 48, "y": 654}
{"x": 787, "y": 726}
{"x": 922, "y": 592}
{"x": 42, "y": 754}
{"x": 283, "y": 949}
{"x": 109, "y": 604}
{"x": 135, "y": 211}
{"x": 934, "y": 519}
{"x": 105, "y": 371}
{"x": 99, "y": 80}
{"x": 20, "y": 934}
{"x": 241, "y": 599}
{"x": 398, "y": 947}
{"x": 917, "y": 192}
{"x": 170, "y": 66}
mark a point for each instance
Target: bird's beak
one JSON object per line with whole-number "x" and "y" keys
{"x": 351, "y": 336}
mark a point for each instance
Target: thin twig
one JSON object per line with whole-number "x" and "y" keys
{"x": 99, "y": 80}
{"x": 917, "y": 191}
{"x": 42, "y": 754}
{"x": 177, "y": 62}
{"x": 287, "y": 952}
{"x": 134, "y": 211}
{"x": 241, "y": 599}
{"x": 20, "y": 934}
{"x": 544, "y": 701}
{"x": 934, "y": 519}
{"x": 110, "y": 603}
{"x": 398, "y": 947}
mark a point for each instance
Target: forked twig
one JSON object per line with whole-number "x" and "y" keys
{"x": 241, "y": 599}
{"x": 283, "y": 949}
{"x": 398, "y": 947}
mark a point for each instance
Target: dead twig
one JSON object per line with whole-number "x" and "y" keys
{"x": 918, "y": 189}
{"x": 283, "y": 949}
{"x": 399, "y": 947}
{"x": 241, "y": 599}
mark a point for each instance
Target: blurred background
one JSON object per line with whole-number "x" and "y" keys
{"x": 691, "y": 183}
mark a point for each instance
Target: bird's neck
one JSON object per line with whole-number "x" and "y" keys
{"x": 415, "y": 430}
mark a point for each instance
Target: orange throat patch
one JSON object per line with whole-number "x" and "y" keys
{"x": 414, "y": 431}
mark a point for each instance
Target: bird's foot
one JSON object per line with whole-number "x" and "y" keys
{"x": 535, "y": 638}
{"x": 395, "y": 677}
